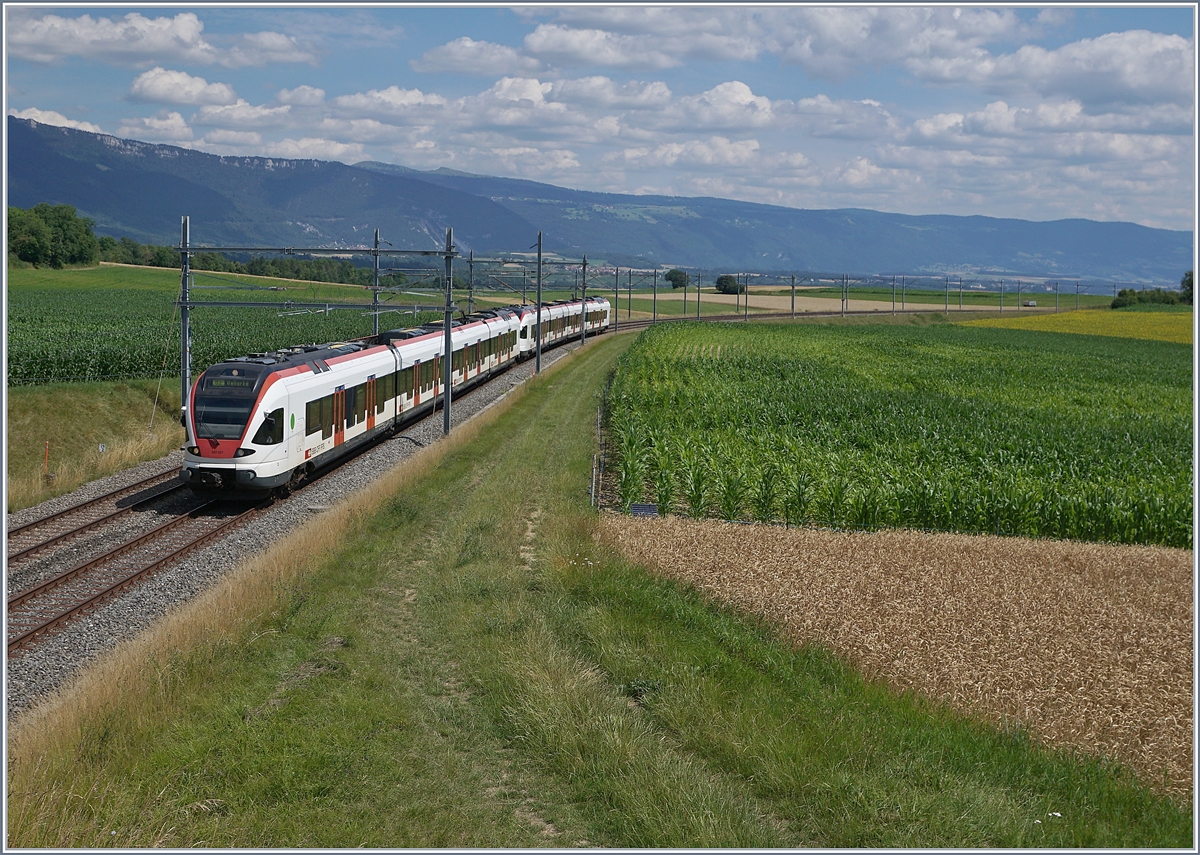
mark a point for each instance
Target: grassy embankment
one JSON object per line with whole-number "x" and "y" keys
{"x": 54, "y": 446}
{"x": 455, "y": 660}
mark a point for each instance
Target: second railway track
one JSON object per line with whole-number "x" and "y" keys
{"x": 38, "y": 611}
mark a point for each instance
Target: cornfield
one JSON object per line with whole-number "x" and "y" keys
{"x": 76, "y": 334}
{"x": 940, "y": 428}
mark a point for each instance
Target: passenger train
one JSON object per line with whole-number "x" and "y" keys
{"x": 261, "y": 424}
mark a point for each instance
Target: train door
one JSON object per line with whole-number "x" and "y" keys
{"x": 416, "y": 386}
{"x": 371, "y": 403}
{"x": 339, "y": 415}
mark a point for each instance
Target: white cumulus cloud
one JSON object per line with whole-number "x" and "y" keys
{"x": 132, "y": 40}
{"x": 716, "y": 151}
{"x": 165, "y": 127}
{"x": 1132, "y": 67}
{"x": 241, "y": 114}
{"x": 567, "y": 46}
{"x": 266, "y": 48}
{"x": 604, "y": 92}
{"x": 315, "y": 148}
{"x": 50, "y": 117}
{"x": 301, "y": 96}
{"x": 728, "y": 104}
{"x": 467, "y": 56}
{"x": 393, "y": 101}
{"x": 162, "y": 86}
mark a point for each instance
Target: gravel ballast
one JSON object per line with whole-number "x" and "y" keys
{"x": 36, "y": 673}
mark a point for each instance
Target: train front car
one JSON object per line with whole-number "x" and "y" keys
{"x": 235, "y": 430}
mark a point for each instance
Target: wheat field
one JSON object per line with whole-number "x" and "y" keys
{"x": 1086, "y": 646}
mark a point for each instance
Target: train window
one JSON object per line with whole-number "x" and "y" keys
{"x": 270, "y": 432}
{"x": 349, "y": 405}
{"x": 224, "y": 402}
{"x": 312, "y": 417}
{"x": 360, "y": 405}
{"x": 327, "y": 417}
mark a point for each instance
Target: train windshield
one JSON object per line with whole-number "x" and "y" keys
{"x": 224, "y": 400}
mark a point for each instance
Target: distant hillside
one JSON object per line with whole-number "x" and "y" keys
{"x": 141, "y": 190}
{"x": 726, "y": 233}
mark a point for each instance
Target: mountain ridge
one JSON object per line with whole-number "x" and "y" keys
{"x": 140, "y": 189}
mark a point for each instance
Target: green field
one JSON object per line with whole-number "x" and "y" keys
{"x": 935, "y": 297}
{"x": 453, "y": 662}
{"x": 108, "y": 323}
{"x": 944, "y": 427}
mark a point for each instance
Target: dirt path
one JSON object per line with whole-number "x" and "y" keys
{"x": 1085, "y": 645}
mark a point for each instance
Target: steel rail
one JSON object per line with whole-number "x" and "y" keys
{"x": 28, "y": 637}
{"x": 115, "y": 494}
{"x": 166, "y": 490}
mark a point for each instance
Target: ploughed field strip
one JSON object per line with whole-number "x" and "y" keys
{"x": 37, "y": 611}
{"x": 1087, "y": 646}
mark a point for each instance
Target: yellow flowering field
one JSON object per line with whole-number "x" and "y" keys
{"x": 1158, "y": 326}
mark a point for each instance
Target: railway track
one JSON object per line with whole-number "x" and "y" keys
{"x": 36, "y": 613}
{"x": 56, "y": 529}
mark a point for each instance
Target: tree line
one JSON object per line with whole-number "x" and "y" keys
{"x": 1131, "y": 297}
{"x": 55, "y": 236}
{"x": 725, "y": 284}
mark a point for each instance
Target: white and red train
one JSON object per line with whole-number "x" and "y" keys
{"x": 262, "y": 423}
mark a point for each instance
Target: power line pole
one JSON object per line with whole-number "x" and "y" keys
{"x": 448, "y": 358}
{"x": 583, "y": 279}
{"x": 794, "y": 295}
{"x": 699, "y": 277}
{"x": 654, "y": 310}
{"x": 629, "y": 309}
{"x": 471, "y": 283}
{"x": 538, "y": 362}
{"x": 616, "y": 296}
{"x": 746, "y": 302}
{"x": 375, "y": 288}
{"x": 185, "y": 330}
{"x": 893, "y": 295}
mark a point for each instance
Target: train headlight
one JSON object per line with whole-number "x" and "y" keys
{"x": 194, "y": 449}
{"x": 243, "y": 452}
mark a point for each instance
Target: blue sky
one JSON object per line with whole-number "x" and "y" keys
{"x": 1002, "y": 111}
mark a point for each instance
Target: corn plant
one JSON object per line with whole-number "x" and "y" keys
{"x": 939, "y": 427}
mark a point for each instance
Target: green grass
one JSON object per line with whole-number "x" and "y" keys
{"x": 937, "y": 297}
{"x": 136, "y": 420}
{"x": 643, "y": 307}
{"x": 469, "y": 666}
{"x": 943, "y": 427}
{"x": 1176, "y": 309}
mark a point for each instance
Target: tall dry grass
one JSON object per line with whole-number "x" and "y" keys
{"x": 32, "y": 485}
